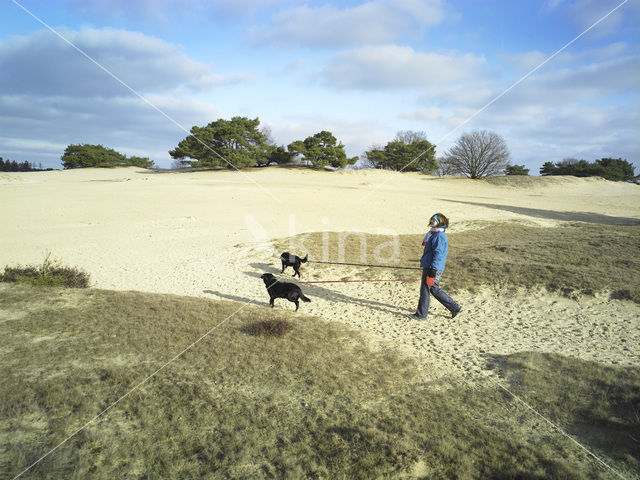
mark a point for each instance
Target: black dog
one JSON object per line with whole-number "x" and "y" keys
{"x": 289, "y": 260}
{"x": 277, "y": 289}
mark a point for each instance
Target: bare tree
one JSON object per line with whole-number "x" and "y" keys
{"x": 444, "y": 167}
{"x": 478, "y": 154}
{"x": 410, "y": 136}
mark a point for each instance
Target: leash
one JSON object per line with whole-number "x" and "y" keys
{"x": 348, "y": 281}
{"x": 366, "y": 265}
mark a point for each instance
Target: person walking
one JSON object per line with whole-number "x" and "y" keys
{"x": 434, "y": 257}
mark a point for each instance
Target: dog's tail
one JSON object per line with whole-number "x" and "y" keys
{"x": 303, "y": 298}
{"x": 303, "y": 260}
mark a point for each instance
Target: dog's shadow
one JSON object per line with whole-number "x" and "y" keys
{"x": 311, "y": 290}
{"x": 263, "y": 268}
{"x": 330, "y": 295}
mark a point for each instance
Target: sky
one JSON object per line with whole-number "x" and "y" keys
{"x": 555, "y": 79}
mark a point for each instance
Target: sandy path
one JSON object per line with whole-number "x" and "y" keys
{"x": 208, "y": 234}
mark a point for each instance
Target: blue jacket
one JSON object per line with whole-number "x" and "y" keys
{"x": 435, "y": 251}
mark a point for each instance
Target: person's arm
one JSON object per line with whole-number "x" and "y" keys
{"x": 438, "y": 247}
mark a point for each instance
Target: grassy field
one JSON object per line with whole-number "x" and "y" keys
{"x": 273, "y": 394}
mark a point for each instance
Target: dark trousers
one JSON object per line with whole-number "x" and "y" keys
{"x": 437, "y": 292}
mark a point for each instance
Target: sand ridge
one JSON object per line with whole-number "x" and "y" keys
{"x": 209, "y": 234}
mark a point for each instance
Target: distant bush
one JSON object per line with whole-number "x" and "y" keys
{"x": 49, "y": 274}
{"x": 516, "y": 170}
{"x": 82, "y": 156}
{"x": 614, "y": 169}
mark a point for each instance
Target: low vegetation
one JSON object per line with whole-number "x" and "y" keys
{"x": 317, "y": 402}
{"x": 571, "y": 260}
{"x": 50, "y": 273}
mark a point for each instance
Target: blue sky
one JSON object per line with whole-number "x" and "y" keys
{"x": 362, "y": 70}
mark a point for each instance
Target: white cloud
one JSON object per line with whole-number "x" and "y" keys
{"x": 591, "y": 83}
{"x": 109, "y": 121}
{"x": 166, "y": 12}
{"x": 377, "y": 21}
{"x": 43, "y": 64}
{"x": 396, "y": 67}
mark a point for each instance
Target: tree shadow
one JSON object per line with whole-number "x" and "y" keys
{"x": 587, "y": 217}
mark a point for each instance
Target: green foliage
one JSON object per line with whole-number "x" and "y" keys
{"x": 50, "y": 274}
{"x": 409, "y": 152}
{"x": 82, "y": 156}
{"x": 280, "y": 156}
{"x": 615, "y": 169}
{"x": 322, "y": 150}
{"x": 234, "y": 143}
{"x": 516, "y": 170}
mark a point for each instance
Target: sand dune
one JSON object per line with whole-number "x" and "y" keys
{"x": 209, "y": 234}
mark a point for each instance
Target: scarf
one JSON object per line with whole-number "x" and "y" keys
{"x": 429, "y": 233}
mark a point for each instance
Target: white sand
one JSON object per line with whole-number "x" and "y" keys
{"x": 208, "y": 234}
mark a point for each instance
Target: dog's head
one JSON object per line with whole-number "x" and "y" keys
{"x": 268, "y": 278}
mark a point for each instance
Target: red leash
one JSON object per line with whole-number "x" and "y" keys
{"x": 346, "y": 281}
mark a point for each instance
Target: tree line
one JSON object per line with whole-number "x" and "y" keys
{"x": 240, "y": 143}
{"x": 13, "y": 166}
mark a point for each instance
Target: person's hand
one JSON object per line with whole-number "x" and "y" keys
{"x": 431, "y": 277}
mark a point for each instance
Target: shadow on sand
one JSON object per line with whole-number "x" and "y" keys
{"x": 586, "y": 217}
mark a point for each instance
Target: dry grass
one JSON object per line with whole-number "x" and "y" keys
{"x": 317, "y": 402}
{"x": 572, "y": 260}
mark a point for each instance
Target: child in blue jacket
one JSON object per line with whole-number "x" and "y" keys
{"x": 434, "y": 257}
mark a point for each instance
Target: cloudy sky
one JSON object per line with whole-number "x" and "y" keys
{"x": 554, "y": 78}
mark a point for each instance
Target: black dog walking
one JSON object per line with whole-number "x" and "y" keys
{"x": 276, "y": 289}
{"x": 290, "y": 260}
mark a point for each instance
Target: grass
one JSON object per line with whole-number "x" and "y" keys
{"x": 314, "y": 402}
{"x": 572, "y": 260}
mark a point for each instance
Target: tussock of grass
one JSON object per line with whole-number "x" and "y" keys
{"x": 50, "y": 274}
{"x": 274, "y": 327}
{"x": 571, "y": 260}
{"x": 317, "y": 403}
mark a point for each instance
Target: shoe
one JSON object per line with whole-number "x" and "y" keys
{"x": 453, "y": 314}
{"x": 416, "y": 316}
